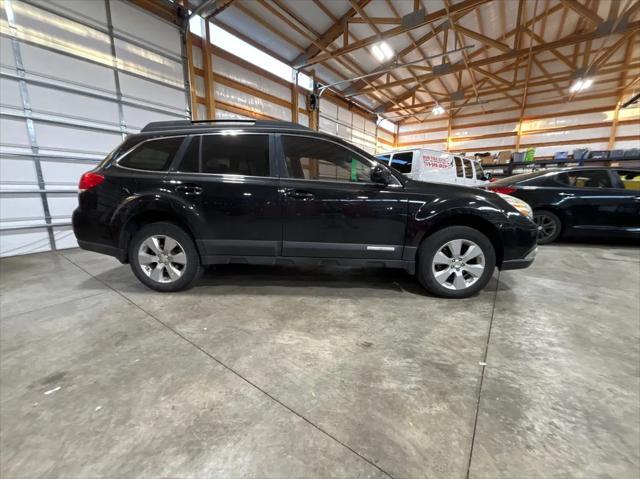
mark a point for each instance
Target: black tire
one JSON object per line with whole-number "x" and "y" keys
{"x": 190, "y": 271}
{"x": 434, "y": 244}
{"x": 549, "y": 226}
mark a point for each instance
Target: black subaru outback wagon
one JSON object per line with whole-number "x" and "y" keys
{"x": 181, "y": 194}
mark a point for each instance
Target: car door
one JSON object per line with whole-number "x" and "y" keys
{"x": 627, "y": 190}
{"x": 589, "y": 199}
{"x": 231, "y": 181}
{"x": 331, "y": 208}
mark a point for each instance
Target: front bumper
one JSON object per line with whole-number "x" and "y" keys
{"x": 520, "y": 263}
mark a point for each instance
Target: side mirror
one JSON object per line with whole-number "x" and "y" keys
{"x": 487, "y": 176}
{"x": 380, "y": 175}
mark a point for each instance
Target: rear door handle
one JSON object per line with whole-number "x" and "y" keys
{"x": 189, "y": 190}
{"x": 566, "y": 194}
{"x": 298, "y": 194}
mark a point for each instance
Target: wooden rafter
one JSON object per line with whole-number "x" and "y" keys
{"x": 392, "y": 32}
{"x": 570, "y": 40}
{"x": 583, "y": 11}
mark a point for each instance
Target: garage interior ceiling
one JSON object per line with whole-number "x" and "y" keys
{"x": 519, "y": 49}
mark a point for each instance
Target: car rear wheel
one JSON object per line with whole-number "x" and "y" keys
{"x": 456, "y": 262}
{"x": 164, "y": 257}
{"x": 549, "y": 226}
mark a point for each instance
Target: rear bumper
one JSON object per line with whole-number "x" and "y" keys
{"x": 520, "y": 263}
{"x": 91, "y": 235}
{"x": 103, "y": 249}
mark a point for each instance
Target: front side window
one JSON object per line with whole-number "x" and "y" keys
{"x": 317, "y": 159}
{"x": 235, "y": 155}
{"x": 585, "y": 179}
{"x": 402, "y": 162}
{"x": 153, "y": 155}
{"x": 468, "y": 168}
{"x": 630, "y": 179}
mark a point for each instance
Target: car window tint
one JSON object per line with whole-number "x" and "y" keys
{"x": 153, "y": 155}
{"x": 235, "y": 154}
{"x": 459, "y": 167}
{"x": 588, "y": 179}
{"x": 630, "y": 179}
{"x": 402, "y": 162}
{"x": 317, "y": 159}
{"x": 190, "y": 162}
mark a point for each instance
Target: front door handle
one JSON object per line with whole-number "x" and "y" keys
{"x": 566, "y": 194}
{"x": 298, "y": 194}
{"x": 189, "y": 190}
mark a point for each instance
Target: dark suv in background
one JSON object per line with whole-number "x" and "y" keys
{"x": 183, "y": 194}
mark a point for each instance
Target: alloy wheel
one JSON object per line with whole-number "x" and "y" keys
{"x": 458, "y": 264}
{"x": 162, "y": 258}
{"x": 546, "y": 226}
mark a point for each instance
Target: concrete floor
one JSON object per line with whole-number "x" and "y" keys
{"x": 276, "y": 372}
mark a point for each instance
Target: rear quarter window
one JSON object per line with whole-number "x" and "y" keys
{"x": 152, "y": 155}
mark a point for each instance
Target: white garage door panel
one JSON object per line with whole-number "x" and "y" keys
{"x": 138, "y": 117}
{"x": 61, "y": 33}
{"x": 64, "y": 173}
{"x": 23, "y": 242}
{"x": 129, "y": 21}
{"x": 93, "y": 12}
{"x": 17, "y": 171}
{"x": 75, "y": 139}
{"x": 141, "y": 61}
{"x": 64, "y": 237}
{"x": 74, "y": 71}
{"x": 79, "y": 112}
{"x": 6, "y": 55}
{"x": 13, "y": 132}
{"x": 71, "y": 104}
{"x": 137, "y": 88}
{"x": 20, "y": 206}
{"x": 62, "y": 204}
{"x": 10, "y": 93}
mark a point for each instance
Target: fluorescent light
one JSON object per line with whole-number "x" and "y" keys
{"x": 581, "y": 84}
{"x": 382, "y": 51}
{"x": 437, "y": 110}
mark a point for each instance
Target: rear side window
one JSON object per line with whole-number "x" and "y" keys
{"x": 402, "y": 162}
{"x": 585, "y": 179}
{"x": 153, "y": 155}
{"x": 235, "y": 154}
{"x": 630, "y": 179}
{"x": 468, "y": 168}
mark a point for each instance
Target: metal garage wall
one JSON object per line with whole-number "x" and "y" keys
{"x": 76, "y": 77}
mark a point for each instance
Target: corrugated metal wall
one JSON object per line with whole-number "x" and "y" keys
{"x": 76, "y": 77}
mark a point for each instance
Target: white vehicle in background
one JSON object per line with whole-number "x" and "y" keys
{"x": 423, "y": 164}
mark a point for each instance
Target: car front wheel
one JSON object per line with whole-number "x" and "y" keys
{"x": 456, "y": 262}
{"x": 164, "y": 257}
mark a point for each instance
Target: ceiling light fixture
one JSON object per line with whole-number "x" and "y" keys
{"x": 382, "y": 51}
{"x": 437, "y": 110}
{"x": 581, "y": 84}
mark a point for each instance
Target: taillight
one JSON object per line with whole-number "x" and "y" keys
{"x": 505, "y": 190}
{"x": 90, "y": 180}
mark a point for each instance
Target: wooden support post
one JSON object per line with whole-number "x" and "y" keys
{"x": 314, "y": 115}
{"x": 207, "y": 65}
{"x": 449, "y": 128}
{"x": 294, "y": 98}
{"x": 614, "y": 125}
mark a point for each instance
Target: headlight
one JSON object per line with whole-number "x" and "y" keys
{"x": 523, "y": 208}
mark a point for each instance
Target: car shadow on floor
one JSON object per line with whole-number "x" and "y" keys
{"x": 285, "y": 280}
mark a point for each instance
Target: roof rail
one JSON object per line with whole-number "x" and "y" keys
{"x": 188, "y": 124}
